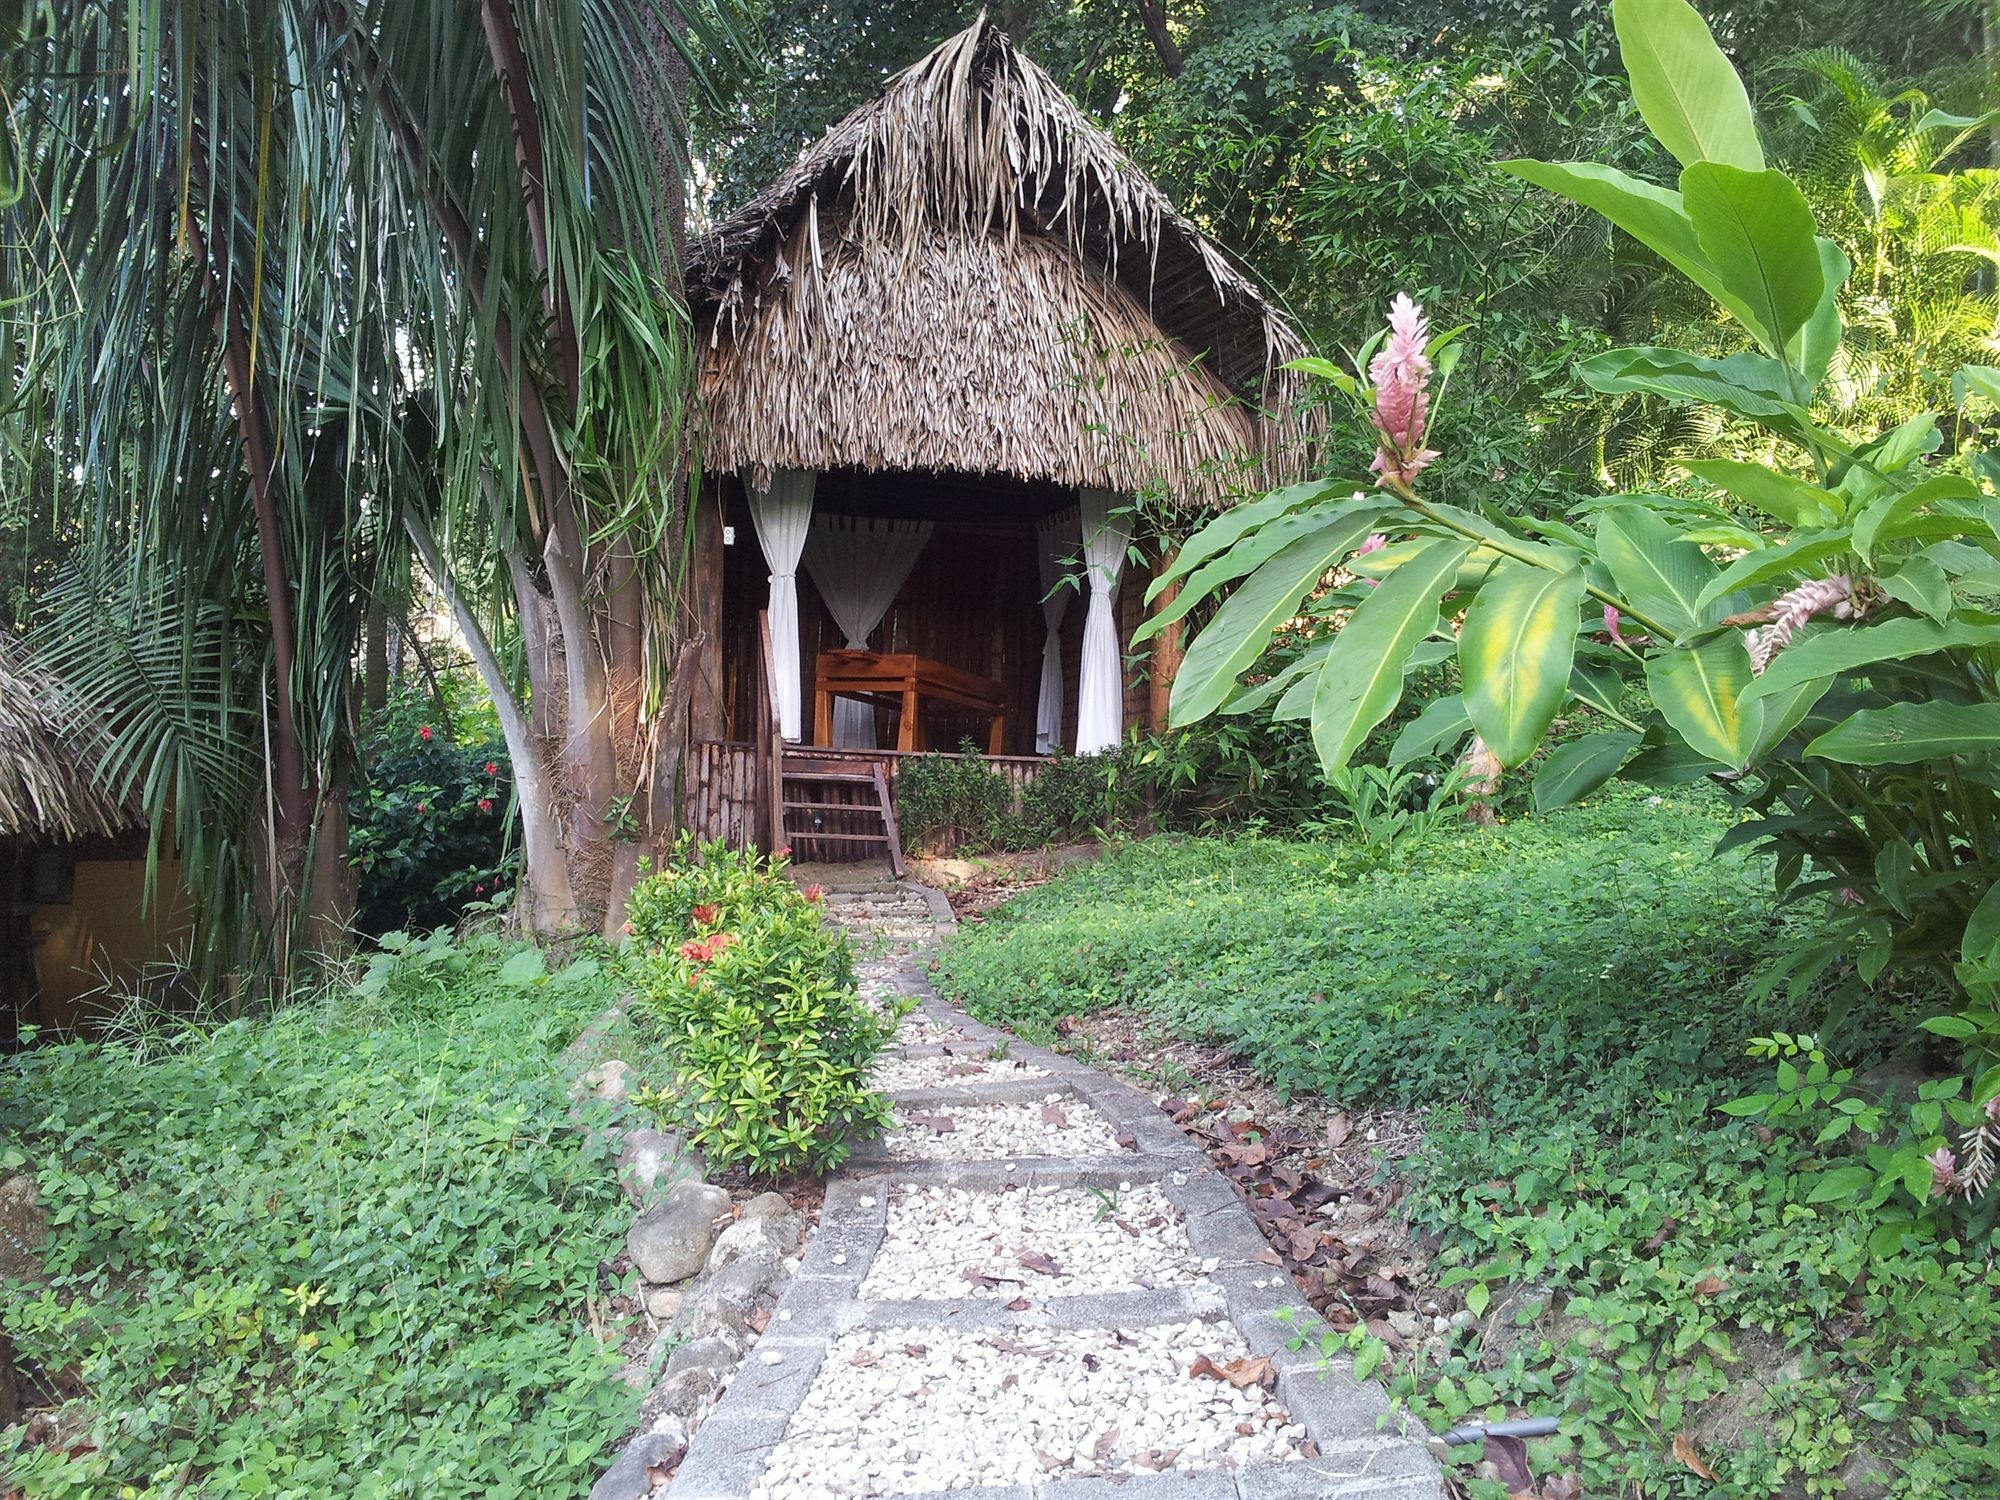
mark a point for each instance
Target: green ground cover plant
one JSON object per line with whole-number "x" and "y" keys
{"x": 1573, "y": 998}
{"x": 767, "y": 1037}
{"x": 351, "y": 1250}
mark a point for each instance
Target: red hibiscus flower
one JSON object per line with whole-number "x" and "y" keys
{"x": 492, "y": 768}
{"x": 486, "y": 804}
{"x": 424, "y": 733}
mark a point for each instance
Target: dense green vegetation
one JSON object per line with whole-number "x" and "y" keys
{"x": 1570, "y": 998}
{"x": 350, "y": 1250}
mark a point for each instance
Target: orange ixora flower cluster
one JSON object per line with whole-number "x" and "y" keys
{"x": 705, "y": 950}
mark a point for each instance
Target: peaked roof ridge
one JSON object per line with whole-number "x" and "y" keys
{"x": 976, "y": 138}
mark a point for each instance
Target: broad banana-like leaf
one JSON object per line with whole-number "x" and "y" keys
{"x": 1813, "y": 350}
{"x": 1579, "y": 767}
{"x": 1440, "y": 723}
{"x": 1363, "y": 675}
{"x": 1766, "y": 563}
{"x": 1843, "y": 648}
{"x": 1600, "y": 687}
{"x": 1238, "y": 522}
{"x": 1750, "y": 384}
{"x": 1686, "y": 90}
{"x": 1921, "y": 584}
{"x": 1700, "y": 689}
{"x": 1514, "y": 654}
{"x": 1652, "y": 215}
{"x": 1660, "y": 572}
{"x": 1252, "y": 552}
{"x": 1249, "y": 700}
{"x": 1785, "y": 711}
{"x": 1882, "y": 518}
{"x": 1757, "y": 231}
{"x": 1906, "y": 732}
{"x": 1783, "y": 497}
{"x": 1242, "y": 628}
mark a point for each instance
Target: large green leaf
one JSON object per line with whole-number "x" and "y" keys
{"x": 1305, "y": 664}
{"x": 1441, "y": 724}
{"x": 1883, "y": 517}
{"x": 1238, "y": 522}
{"x": 1579, "y": 767}
{"x": 1700, "y": 692}
{"x": 1907, "y": 732}
{"x": 1652, "y": 215}
{"x": 1514, "y": 654}
{"x": 1785, "y": 711}
{"x": 1783, "y": 497}
{"x": 1766, "y": 563}
{"x": 1599, "y": 686}
{"x": 1660, "y": 573}
{"x": 1921, "y": 584}
{"x": 1266, "y": 542}
{"x": 1845, "y": 648}
{"x": 1749, "y": 384}
{"x": 1758, "y": 233}
{"x": 1819, "y": 340}
{"x": 1363, "y": 674}
{"x": 1685, "y": 88}
{"x": 1242, "y": 628}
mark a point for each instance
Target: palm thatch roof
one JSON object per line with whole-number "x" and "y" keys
{"x": 968, "y": 273}
{"x": 48, "y": 793}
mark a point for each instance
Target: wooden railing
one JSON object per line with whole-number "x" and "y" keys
{"x": 725, "y": 797}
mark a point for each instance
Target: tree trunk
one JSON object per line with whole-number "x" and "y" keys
{"x": 1153, "y": 15}
{"x": 547, "y": 898}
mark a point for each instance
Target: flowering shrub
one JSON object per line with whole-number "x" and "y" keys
{"x": 769, "y": 1040}
{"x": 431, "y": 819}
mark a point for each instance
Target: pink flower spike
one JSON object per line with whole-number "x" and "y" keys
{"x": 1611, "y": 619}
{"x": 1401, "y": 372}
{"x": 1375, "y": 543}
{"x": 1944, "y": 1170}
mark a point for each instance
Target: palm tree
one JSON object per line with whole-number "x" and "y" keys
{"x": 299, "y": 287}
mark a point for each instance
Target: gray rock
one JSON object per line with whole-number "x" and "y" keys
{"x": 646, "y": 1458}
{"x": 24, "y": 1226}
{"x": 766, "y": 1206}
{"x": 686, "y": 1393}
{"x": 713, "y": 1353}
{"x": 652, "y": 1161}
{"x": 663, "y": 1302}
{"x": 744, "y": 1237}
{"x": 610, "y": 1080}
{"x": 670, "y": 1242}
{"x": 1865, "y": 1476}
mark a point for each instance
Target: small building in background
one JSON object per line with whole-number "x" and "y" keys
{"x": 77, "y": 930}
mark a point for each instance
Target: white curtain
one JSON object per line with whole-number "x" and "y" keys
{"x": 1100, "y": 712}
{"x": 859, "y": 566}
{"x": 1058, "y": 538}
{"x": 781, "y": 515}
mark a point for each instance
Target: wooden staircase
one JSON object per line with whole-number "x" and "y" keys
{"x": 836, "y": 801}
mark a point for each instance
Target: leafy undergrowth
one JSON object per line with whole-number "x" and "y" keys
{"x": 1569, "y": 998}
{"x": 351, "y": 1250}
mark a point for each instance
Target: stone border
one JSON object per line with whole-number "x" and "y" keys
{"x": 1366, "y": 1450}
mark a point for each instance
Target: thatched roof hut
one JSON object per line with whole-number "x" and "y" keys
{"x": 967, "y": 273}
{"x": 48, "y": 794}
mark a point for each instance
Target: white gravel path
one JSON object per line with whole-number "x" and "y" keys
{"x": 899, "y": 1411}
{"x": 1029, "y": 1242}
{"x": 950, "y": 1071}
{"x": 1059, "y": 1126}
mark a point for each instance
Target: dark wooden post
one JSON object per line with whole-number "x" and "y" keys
{"x": 1167, "y": 650}
{"x": 705, "y": 598}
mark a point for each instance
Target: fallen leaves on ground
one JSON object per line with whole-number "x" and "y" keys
{"x": 1684, "y": 1454}
{"x": 938, "y": 1124}
{"x": 1052, "y": 1114}
{"x": 1253, "y": 1369}
{"x": 1040, "y": 1264}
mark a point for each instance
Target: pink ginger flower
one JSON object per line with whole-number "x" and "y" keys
{"x": 1822, "y": 596}
{"x": 1611, "y": 619}
{"x": 1849, "y": 896}
{"x": 1375, "y": 543}
{"x": 1944, "y": 1170}
{"x": 1401, "y": 373}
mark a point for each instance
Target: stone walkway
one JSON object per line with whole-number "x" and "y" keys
{"x": 1034, "y": 1286}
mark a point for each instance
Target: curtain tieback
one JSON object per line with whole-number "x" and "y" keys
{"x": 781, "y": 578}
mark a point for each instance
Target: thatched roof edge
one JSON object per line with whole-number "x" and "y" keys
{"x": 47, "y": 791}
